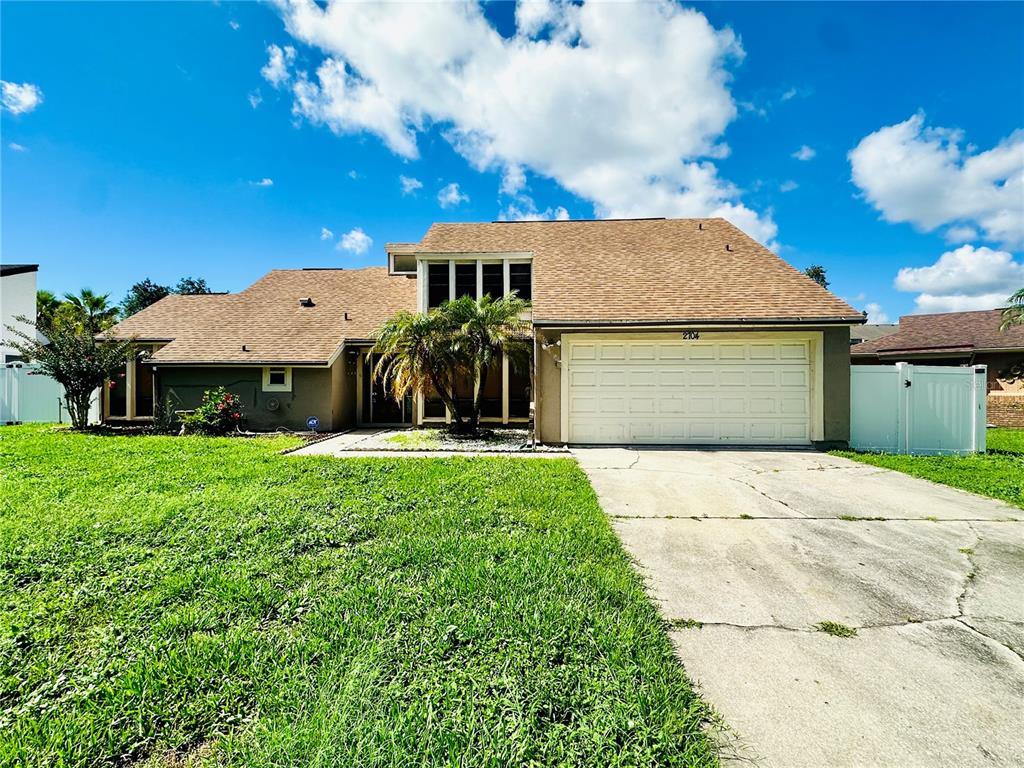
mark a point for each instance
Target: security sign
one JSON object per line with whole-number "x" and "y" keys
{"x": 313, "y": 422}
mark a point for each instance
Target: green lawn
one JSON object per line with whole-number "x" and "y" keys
{"x": 998, "y": 473}
{"x": 172, "y": 601}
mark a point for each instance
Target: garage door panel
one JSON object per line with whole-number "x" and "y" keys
{"x": 611, "y": 352}
{"x": 613, "y": 377}
{"x": 707, "y": 391}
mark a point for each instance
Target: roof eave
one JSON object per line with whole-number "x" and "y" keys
{"x": 829, "y": 320}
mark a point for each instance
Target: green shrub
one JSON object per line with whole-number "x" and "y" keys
{"x": 219, "y": 414}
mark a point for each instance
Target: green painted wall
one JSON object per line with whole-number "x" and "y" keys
{"x": 311, "y": 394}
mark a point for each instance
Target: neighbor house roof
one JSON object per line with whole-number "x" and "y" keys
{"x": 648, "y": 271}
{"x": 873, "y": 331}
{"x": 9, "y": 270}
{"x": 268, "y": 319}
{"x": 952, "y": 333}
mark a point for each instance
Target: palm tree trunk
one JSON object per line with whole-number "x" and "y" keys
{"x": 478, "y": 395}
{"x": 446, "y": 398}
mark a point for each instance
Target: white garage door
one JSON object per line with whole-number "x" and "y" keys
{"x": 653, "y": 390}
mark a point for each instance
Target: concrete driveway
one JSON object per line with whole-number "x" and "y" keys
{"x": 760, "y": 546}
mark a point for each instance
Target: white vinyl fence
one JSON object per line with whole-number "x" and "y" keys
{"x": 918, "y": 409}
{"x": 28, "y": 396}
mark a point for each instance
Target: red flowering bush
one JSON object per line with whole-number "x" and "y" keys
{"x": 219, "y": 414}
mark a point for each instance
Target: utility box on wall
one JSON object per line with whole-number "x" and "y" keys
{"x": 918, "y": 409}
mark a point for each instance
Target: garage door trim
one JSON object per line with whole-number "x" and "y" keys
{"x": 814, "y": 341}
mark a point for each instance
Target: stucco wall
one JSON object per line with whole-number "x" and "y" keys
{"x": 311, "y": 394}
{"x": 17, "y": 298}
{"x": 835, "y": 382}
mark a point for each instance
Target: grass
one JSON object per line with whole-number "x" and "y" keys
{"x": 998, "y": 473}
{"x": 208, "y": 601}
{"x": 835, "y": 629}
{"x": 416, "y": 439}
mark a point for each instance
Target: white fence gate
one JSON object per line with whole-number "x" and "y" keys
{"x": 919, "y": 409}
{"x": 28, "y": 396}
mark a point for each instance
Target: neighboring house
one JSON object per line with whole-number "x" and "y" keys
{"x": 17, "y": 299}
{"x": 872, "y": 332}
{"x": 645, "y": 331}
{"x": 959, "y": 338}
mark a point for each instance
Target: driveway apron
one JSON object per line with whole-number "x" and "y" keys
{"x": 745, "y": 552}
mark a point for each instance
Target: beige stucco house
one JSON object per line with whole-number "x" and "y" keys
{"x": 659, "y": 331}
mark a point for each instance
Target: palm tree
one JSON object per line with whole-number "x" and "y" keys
{"x": 1014, "y": 313}
{"x": 95, "y": 311}
{"x": 455, "y": 344}
{"x": 47, "y": 306}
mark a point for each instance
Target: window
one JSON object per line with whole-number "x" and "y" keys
{"x": 494, "y": 279}
{"x": 277, "y": 379}
{"x": 465, "y": 280}
{"x": 403, "y": 264}
{"x": 519, "y": 280}
{"x": 437, "y": 285}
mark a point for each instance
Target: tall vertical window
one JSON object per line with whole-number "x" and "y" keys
{"x": 465, "y": 280}
{"x": 437, "y": 285}
{"x": 519, "y": 280}
{"x": 494, "y": 279}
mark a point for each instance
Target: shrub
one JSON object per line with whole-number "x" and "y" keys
{"x": 219, "y": 414}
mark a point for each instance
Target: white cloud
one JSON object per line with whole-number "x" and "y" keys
{"x": 276, "y": 71}
{"x": 961, "y": 234}
{"x": 788, "y": 186}
{"x": 234, "y": 25}
{"x": 927, "y": 303}
{"x": 450, "y": 195}
{"x": 913, "y": 173}
{"x": 409, "y": 184}
{"x": 513, "y": 180}
{"x": 18, "y": 147}
{"x": 326, "y": 234}
{"x": 255, "y": 98}
{"x": 353, "y": 174}
{"x": 624, "y": 106}
{"x": 264, "y": 182}
{"x": 965, "y": 278}
{"x": 20, "y": 98}
{"x": 525, "y": 210}
{"x": 791, "y": 93}
{"x": 876, "y": 315}
{"x": 805, "y": 153}
{"x": 355, "y": 241}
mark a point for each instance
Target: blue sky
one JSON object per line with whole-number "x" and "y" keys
{"x": 136, "y": 137}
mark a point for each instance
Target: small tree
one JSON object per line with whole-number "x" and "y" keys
{"x": 141, "y": 295}
{"x": 453, "y": 345}
{"x": 817, "y": 273}
{"x": 72, "y": 356}
{"x": 1014, "y": 313}
{"x": 191, "y": 286}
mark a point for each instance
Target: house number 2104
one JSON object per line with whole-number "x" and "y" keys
{"x": 691, "y": 335}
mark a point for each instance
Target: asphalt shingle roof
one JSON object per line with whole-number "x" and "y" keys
{"x": 946, "y": 332}
{"x": 268, "y": 320}
{"x": 659, "y": 270}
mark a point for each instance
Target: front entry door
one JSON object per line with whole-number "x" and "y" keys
{"x": 379, "y": 406}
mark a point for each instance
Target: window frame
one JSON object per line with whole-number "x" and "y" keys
{"x": 268, "y": 386}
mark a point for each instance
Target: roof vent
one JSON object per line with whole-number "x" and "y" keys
{"x": 306, "y": 301}
{"x": 700, "y": 225}
{"x": 245, "y": 348}
{"x": 728, "y": 247}
{"x": 347, "y": 317}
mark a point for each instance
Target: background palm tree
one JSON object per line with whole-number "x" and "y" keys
{"x": 95, "y": 310}
{"x": 1014, "y": 313}
{"x": 451, "y": 348}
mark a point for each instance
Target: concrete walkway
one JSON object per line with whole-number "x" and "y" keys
{"x": 753, "y": 545}
{"x": 346, "y": 445}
